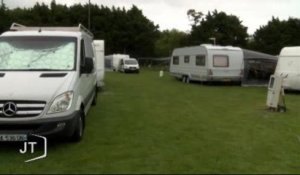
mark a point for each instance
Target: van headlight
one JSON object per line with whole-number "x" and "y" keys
{"x": 61, "y": 103}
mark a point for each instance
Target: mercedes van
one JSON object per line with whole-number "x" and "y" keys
{"x": 129, "y": 65}
{"x": 47, "y": 81}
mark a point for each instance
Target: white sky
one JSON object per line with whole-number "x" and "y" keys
{"x": 169, "y": 14}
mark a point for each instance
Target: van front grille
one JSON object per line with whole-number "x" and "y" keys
{"x": 21, "y": 108}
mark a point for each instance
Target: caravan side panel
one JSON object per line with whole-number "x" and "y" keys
{"x": 113, "y": 61}
{"x": 190, "y": 62}
{"x": 225, "y": 64}
{"x": 99, "y": 55}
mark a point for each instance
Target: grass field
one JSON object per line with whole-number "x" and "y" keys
{"x": 146, "y": 124}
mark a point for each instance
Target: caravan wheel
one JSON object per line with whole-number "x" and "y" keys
{"x": 183, "y": 79}
{"x": 187, "y": 80}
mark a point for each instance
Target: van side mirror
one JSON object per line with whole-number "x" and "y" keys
{"x": 88, "y": 66}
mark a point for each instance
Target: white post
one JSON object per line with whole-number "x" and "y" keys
{"x": 161, "y": 73}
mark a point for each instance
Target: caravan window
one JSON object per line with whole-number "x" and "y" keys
{"x": 176, "y": 60}
{"x": 220, "y": 61}
{"x": 186, "y": 59}
{"x": 200, "y": 60}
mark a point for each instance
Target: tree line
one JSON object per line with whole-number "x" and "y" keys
{"x": 130, "y": 32}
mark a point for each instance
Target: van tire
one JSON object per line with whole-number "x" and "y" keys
{"x": 94, "y": 102}
{"x": 183, "y": 79}
{"x": 79, "y": 128}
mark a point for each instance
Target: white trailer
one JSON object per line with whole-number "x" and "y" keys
{"x": 99, "y": 61}
{"x": 113, "y": 61}
{"x": 207, "y": 63}
{"x": 288, "y": 66}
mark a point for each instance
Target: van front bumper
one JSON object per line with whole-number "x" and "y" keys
{"x": 132, "y": 69}
{"x": 62, "y": 126}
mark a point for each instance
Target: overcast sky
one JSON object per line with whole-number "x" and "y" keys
{"x": 170, "y": 14}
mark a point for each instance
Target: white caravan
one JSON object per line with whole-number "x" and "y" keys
{"x": 207, "y": 63}
{"x": 129, "y": 65}
{"x": 288, "y": 66}
{"x": 113, "y": 61}
{"x": 48, "y": 81}
{"x": 99, "y": 62}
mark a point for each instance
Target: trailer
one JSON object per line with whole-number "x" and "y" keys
{"x": 113, "y": 61}
{"x": 98, "y": 46}
{"x": 207, "y": 63}
{"x": 288, "y": 67}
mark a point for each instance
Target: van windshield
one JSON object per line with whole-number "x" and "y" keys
{"x": 131, "y": 62}
{"x": 37, "y": 53}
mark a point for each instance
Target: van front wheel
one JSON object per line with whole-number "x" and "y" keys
{"x": 79, "y": 128}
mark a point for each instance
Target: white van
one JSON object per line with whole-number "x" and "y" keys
{"x": 99, "y": 62}
{"x": 113, "y": 61}
{"x": 129, "y": 65}
{"x": 48, "y": 80}
{"x": 207, "y": 63}
{"x": 288, "y": 66}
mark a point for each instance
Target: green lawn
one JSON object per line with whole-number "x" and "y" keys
{"x": 146, "y": 124}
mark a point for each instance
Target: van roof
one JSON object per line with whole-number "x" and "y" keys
{"x": 21, "y": 30}
{"x": 290, "y": 51}
{"x": 42, "y": 33}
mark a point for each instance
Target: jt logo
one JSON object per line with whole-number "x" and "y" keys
{"x": 31, "y": 145}
{"x": 25, "y": 147}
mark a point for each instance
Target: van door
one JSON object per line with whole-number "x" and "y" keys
{"x": 86, "y": 79}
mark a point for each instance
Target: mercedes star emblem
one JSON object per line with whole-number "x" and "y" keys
{"x": 9, "y": 109}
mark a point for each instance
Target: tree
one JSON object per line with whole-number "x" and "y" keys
{"x": 5, "y": 20}
{"x": 168, "y": 40}
{"x": 227, "y": 29}
{"x": 277, "y": 34}
{"x": 142, "y": 33}
{"x": 124, "y": 31}
{"x": 194, "y": 16}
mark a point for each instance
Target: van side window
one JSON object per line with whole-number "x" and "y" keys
{"x": 89, "y": 50}
{"x": 186, "y": 59}
{"x": 200, "y": 60}
{"x": 175, "y": 60}
{"x": 220, "y": 61}
{"x": 82, "y": 53}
